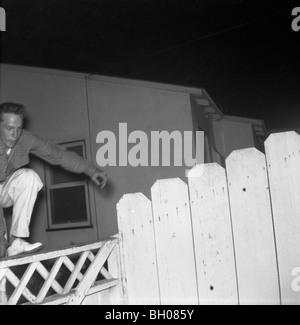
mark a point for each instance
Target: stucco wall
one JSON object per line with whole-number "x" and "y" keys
{"x": 142, "y": 109}
{"x": 67, "y": 107}
{"x": 233, "y": 135}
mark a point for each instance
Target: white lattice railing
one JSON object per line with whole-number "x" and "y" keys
{"x": 66, "y": 276}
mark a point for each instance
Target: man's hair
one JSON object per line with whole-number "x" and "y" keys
{"x": 12, "y": 108}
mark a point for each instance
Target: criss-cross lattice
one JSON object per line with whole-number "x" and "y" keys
{"x": 59, "y": 277}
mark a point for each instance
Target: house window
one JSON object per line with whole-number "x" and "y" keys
{"x": 68, "y": 195}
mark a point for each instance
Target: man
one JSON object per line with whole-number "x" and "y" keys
{"x": 19, "y": 186}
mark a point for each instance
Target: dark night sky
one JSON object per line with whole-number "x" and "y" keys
{"x": 243, "y": 52}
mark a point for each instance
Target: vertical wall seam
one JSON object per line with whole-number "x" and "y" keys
{"x": 91, "y": 149}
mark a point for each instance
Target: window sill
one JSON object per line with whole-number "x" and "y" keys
{"x": 69, "y": 228}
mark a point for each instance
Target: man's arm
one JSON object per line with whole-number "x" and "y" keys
{"x": 59, "y": 156}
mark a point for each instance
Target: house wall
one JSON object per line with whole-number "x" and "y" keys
{"x": 64, "y": 107}
{"x": 142, "y": 109}
{"x": 234, "y": 133}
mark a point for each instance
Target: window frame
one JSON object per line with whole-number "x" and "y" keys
{"x": 49, "y": 186}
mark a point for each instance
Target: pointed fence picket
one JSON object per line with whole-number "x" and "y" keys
{"x": 174, "y": 242}
{"x": 213, "y": 236}
{"x": 252, "y": 227}
{"x": 137, "y": 247}
{"x": 283, "y": 159}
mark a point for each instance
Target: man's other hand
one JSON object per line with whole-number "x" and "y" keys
{"x": 100, "y": 179}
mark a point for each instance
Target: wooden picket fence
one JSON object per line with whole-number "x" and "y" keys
{"x": 228, "y": 237}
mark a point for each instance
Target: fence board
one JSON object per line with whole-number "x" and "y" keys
{"x": 39, "y": 257}
{"x": 23, "y": 283}
{"x": 114, "y": 295}
{"x": 253, "y": 227}
{"x": 174, "y": 242}
{"x": 211, "y": 218}
{"x": 15, "y": 281}
{"x": 75, "y": 271}
{"x": 3, "y": 294}
{"x": 137, "y": 250}
{"x": 283, "y": 159}
{"x": 91, "y": 274}
{"x": 52, "y": 275}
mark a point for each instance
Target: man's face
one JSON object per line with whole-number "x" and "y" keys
{"x": 10, "y": 129}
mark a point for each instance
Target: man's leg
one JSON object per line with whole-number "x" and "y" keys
{"x": 20, "y": 191}
{"x": 3, "y": 235}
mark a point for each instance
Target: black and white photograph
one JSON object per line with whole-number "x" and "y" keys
{"x": 149, "y": 155}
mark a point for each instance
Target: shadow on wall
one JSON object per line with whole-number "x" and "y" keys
{"x": 108, "y": 190}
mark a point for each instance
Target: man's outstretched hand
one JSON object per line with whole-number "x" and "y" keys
{"x": 100, "y": 179}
